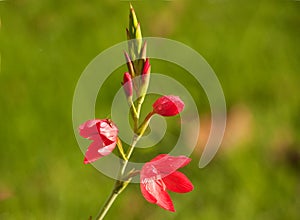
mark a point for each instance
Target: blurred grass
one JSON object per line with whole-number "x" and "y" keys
{"x": 254, "y": 49}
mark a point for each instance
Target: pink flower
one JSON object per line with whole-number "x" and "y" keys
{"x": 168, "y": 105}
{"x": 104, "y": 134}
{"x": 127, "y": 84}
{"x": 159, "y": 175}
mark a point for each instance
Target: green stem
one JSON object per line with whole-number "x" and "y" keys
{"x": 134, "y": 114}
{"x": 141, "y": 130}
{"x": 120, "y": 185}
{"x": 129, "y": 153}
{"x": 120, "y": 148}
{"x": 107, "y": 205}
{"x": 139, "y": 104}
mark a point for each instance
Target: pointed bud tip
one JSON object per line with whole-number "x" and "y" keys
{"x": 86, "y": 161}
{"x": 127, "y": 57}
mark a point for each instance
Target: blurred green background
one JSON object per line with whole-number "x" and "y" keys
{"x": 254, "y": 49}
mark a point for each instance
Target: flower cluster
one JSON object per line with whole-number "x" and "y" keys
{"x": 156, "y": 176}
{"x": 160, "y": 174}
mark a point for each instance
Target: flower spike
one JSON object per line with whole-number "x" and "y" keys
{"x": 159, "y": 175}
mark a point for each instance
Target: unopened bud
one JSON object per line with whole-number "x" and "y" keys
{"x": 138, "y": 37}
{"x": 129, "y": 64}
{"x": 134, "y": 35}
{"x": 145, "y": 78}
{"x": 133, "y": 22}
{"x": 168, "y": 105}
{"x": 143, "y": 51}
{"x": 127, "y": 85}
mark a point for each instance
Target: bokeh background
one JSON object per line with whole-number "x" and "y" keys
{"x": 254, "y": 49}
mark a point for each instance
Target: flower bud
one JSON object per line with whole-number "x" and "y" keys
{"x": 146, "y": 67}
{"x": 143, "y": 51}
{"x": 168, "y": 105}
{"x": 134, "y": 35}
{"x": 127, "y": 84}
{"x": 129, "y": 64}
{"x": 138, "y": 37}
{"x": 145, "y": 78}
{"x": 142, "y": 58}
{"x": 133, "y": 22}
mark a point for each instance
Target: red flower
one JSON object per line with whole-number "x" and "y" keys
{"x": 104, "y": 134}
{"x": 161, "y": 174}
{"x": 168, "y": 105}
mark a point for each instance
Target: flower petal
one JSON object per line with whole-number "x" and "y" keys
{"x": 178, "y": 182}
{"x": 108, "y": 131}
{"x": 107, "y": 149}
{"x": 92, "y": 153}
{"x": 150, "y": 198}
{"x": 154, "y": 192}
{"x": 166, "y": 164}
{"x": 89, "y": 128}
{"x": 98, "y": 149}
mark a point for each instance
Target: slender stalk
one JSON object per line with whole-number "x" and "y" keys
{"x": 133, "y": 33}
{"x": 141, "y": 130}
{"x": 139, "y": 104}
{"x": 129, "y": 153}
{"x": 120, "y": 185}
{"x": 107, "y": 205}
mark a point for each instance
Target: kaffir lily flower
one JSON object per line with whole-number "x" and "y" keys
{"x": 159, "y": 175}
{"x": 103, "y": 133}
{"x": 168, "y": 105}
